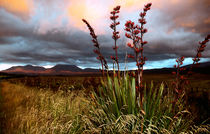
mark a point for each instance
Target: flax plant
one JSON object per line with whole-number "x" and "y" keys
{"x": 126, "y": 105}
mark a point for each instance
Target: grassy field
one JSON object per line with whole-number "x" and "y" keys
{"x": 66, "y": 105}
{"x": 29, "y": 110}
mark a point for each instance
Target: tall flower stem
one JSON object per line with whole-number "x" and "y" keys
{"x": 137, "y": 44}
{"x": 142, "y": 59}
{"x": 200, "y": 49}
{"x": 97, "y": 46}
{"x": 115, "y": 35}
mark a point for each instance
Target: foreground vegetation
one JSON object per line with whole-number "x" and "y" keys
{"x": 27, "y": 110}
{"x": 31, "y": 110}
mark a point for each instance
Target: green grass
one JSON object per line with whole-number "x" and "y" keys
{"x": 122, "y": 112}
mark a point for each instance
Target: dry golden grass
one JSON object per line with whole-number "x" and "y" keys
{"x": 37, "y": 111}
{"x": 32, "y": 111}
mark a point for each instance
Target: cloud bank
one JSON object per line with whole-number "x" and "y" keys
{"x": 50, "y": 32}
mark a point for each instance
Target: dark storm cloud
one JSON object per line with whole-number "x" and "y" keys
{"x": 12, "y": 25}
{"x": 5, "y": 41}
{"x": 192, "y": 15}
{"x": 21, "y": 42}
{"x": 54, "y": 46}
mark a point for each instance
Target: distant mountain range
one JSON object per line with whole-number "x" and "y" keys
{"x": 62, "y": 69}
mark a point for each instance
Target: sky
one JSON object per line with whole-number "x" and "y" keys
{"x": 50, "y": 32}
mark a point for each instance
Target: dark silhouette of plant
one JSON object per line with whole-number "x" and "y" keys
{"x": 181, "y": 79}
{"x": 97, "y": 46}
{"x": 200, "y": 49}
{"x": 115, "y": 35}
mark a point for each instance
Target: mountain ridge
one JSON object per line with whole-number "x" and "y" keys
{"x": 59, "y": 69}
{"x": 66, "y": 69}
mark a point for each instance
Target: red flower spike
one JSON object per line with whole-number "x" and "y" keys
{"x": 142, "y": 14}
{"x": 127, "y": 29}
{"x": 130, "y": 45}
{"x": 112, "y": 17}
{"x": 129, "y": 24}
{"x": 137, "y": 50}
{"x": 205, "y": 41}
{"x": 98, "y": 58}
{"x": 136, "y": 32}
{"x": 96, "y": 51}
{"x": 145, "y": 9}
{"x": 141, "y": 49}
{"x": 112, "y": 57}
{"x": 117, "y": 8}
{"x": 201, "y": 49}
{"x": 117, "y": 11}
{"x": 203, "y": 46}
{"x": 127, "y": 35}
{"x": 115, "y": 33}
{"x": 144, "y": 42}
{"x": 132, "y": 33}
{"x": 174, "y": 66}
{"x": 138, "y": 38}
{"x": 112, "y": 25}
{"x": 130, "y": 56}
{"x": 142, "y": 21}
{"x": 182, "y": 58}
{"x": 113, "y": 12}
{"x": 174, "y": 73}
{"x": 94, "y": 41}
{"x": 149, "y": 4}
{"x": 96, "y": 45}
{"x": 117, "y": 23}
{"x": 144, "y": 30}
{"x": 132, "y": 24}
